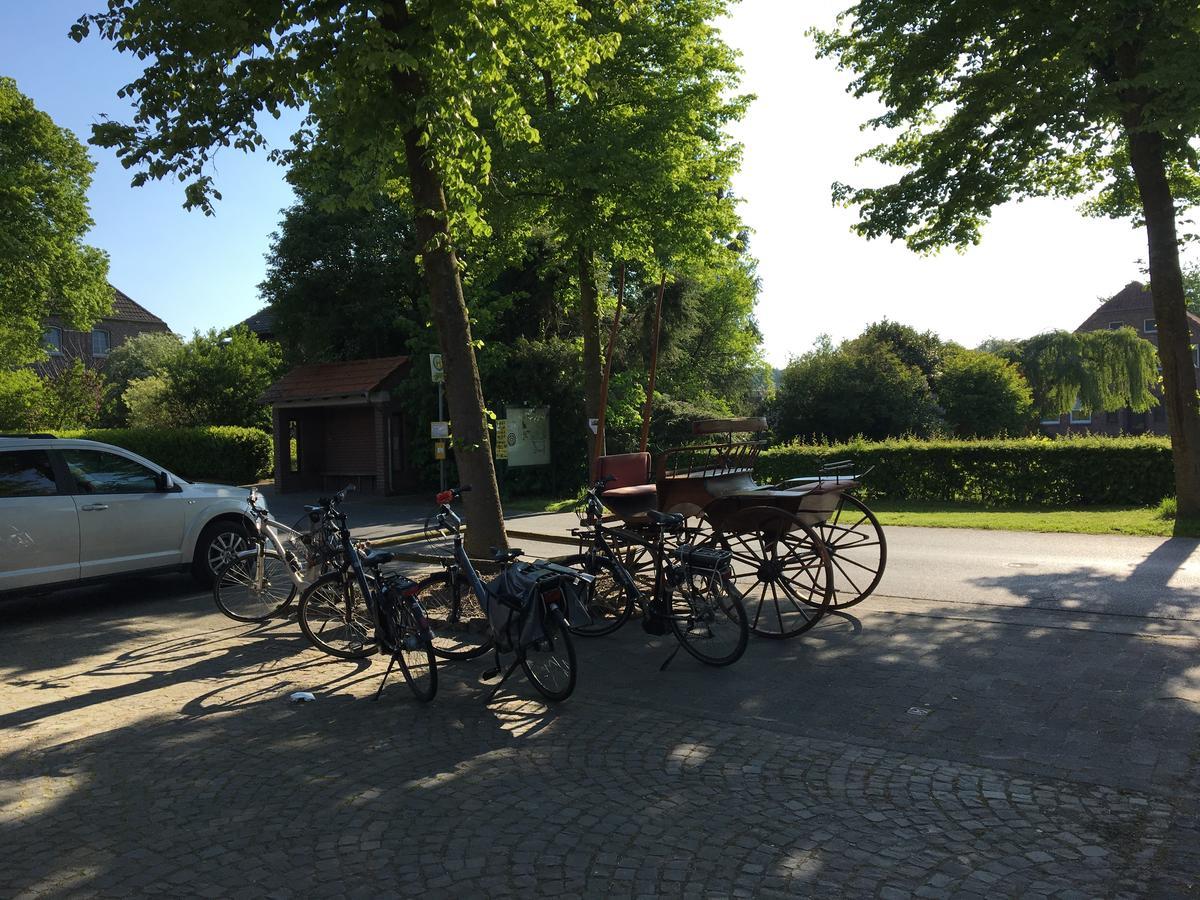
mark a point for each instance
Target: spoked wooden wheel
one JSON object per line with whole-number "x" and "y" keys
{"x": 781, "y": 569}
{"x": 857, "y": 551}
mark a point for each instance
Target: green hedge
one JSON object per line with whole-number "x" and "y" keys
{"x": 221, "y": 453}
{"x": 1081, "y": 471}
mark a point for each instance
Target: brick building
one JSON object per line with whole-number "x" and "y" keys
{"x": 337, "y": 424}
{"x": 127, "y": 319}
{"x": 1134, "y": 308}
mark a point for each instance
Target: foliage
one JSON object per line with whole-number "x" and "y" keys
{"x": 856, "y": 389}
{"x": 136, "y": 358}
{"x": 923, "y": 350}
{"x": 74, "y": 396}
{"x": 224, "y": 454}
{"x": 1191, "y": 287}
{"x": 982, "y": 395}
{"x": 1061, "y": 472}
{"x": 22, "y": 400}
{"x": 45, "y": 268}
{"x": 343, "y": 280}
{"x": 216, "y": 379}
{"x": 1104, "y": 370}
{"x": 149, "y": 405}
{"x": 990, "y": 102}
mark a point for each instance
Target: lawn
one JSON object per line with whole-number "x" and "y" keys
{"x": 1086, "y": 520}
{"x": 931, "y": 514}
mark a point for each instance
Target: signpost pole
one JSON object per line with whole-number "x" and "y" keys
{"x": 441, "y": 418}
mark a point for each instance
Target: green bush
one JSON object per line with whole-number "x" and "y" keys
{"x": 1125, "y": 471}
{"x": 222, "y": 453}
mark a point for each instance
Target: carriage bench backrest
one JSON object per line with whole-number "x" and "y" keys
{"x": 629, "y": 469}
{"x": 709, "y": 460}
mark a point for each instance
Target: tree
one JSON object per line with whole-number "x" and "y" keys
{"x": 925, "y": 350}
{"x": 850, "y": 391}
{"x": 45, "y": 267}
{"x": 994, "y": 101}
{"x": 400, "y": 87}
{"x": 1099, "y": 370}
{"x": 149, "y": 403}
{"x": 634, "y": 166}
{"x": 141, "y": 356}
{"x": 982, "y": 395}
{"x": 74, "y": 396}
{"x": 216, "y": 379}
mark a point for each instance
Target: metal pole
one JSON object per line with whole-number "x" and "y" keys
{"x": 441, "y": 418}
{"x": 600, "y": 449}
{"x": 648, "y": 409}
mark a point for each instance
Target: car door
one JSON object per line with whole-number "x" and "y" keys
{"x": 39, "y": 526}
{"x": 126, "y": 524}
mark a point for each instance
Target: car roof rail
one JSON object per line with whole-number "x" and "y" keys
{"x": 38, "y": 436}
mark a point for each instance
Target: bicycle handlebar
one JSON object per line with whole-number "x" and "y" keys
{"x": 446, "y": 497}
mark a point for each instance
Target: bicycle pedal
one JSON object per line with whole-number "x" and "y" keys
{"x": 490, "y": 674}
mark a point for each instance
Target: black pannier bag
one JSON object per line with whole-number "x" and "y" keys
{"x": 515, "y": 606}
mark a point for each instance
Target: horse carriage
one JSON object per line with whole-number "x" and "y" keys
{"x": 799, "y": 547}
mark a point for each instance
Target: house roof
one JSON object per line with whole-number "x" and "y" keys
{"x": 262, "y": 322}
{"x": 1134, "y": 297}
{"x": 126, "y": 309}
{"x": 329, "y": 381}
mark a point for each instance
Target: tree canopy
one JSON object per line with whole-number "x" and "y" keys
{"x": 45, "y": 266}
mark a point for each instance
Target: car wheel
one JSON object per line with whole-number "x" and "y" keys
{"x": 219, "y": 543}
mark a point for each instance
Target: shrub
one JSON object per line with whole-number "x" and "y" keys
{"x": 222, "y": 453}
{"x": 22, "y": 400}
{"x": 983, "y": 396}
{"x": 1081, "y": 471}
{"x": 148, "y": 403}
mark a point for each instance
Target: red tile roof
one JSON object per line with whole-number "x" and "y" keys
{"x": 328, "y": 381}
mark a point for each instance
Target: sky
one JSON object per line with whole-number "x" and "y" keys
{"x": 1041, "y": 265}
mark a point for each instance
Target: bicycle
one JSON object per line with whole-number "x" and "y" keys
{"x": 259, "y": 583}
{"x": 541, "y": 643}
{"x": 397, "y": 623}
{"x": 690, "y": 594}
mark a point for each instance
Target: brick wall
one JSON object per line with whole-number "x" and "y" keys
{"x": 78, "y": 344}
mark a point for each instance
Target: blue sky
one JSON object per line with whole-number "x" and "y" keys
{"x": 1040, "y": 266}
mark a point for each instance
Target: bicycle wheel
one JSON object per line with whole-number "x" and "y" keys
{"x": 460, "y": 626}
{"x": 335, "y": 617}
{"x": 414, "y": 652}
{"x": 709, "y": 620}
{"x": 857, "y": 551}
{"x": 550, "y": 663}
{"x": 245, "y": 594}
{"x": 610, "y": 598}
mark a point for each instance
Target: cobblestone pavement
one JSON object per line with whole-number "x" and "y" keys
{"x": 912, "y": 749}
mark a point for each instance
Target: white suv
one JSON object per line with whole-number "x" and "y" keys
{"x": 73, "y": 511}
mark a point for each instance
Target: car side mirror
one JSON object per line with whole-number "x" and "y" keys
{"x": 165, "y": 483}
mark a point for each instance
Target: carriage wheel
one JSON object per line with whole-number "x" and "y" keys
{"x": 781, "y": 570}
{"x": 857, "y": 551}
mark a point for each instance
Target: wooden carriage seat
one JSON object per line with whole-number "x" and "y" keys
{"x": 631, "y": 492}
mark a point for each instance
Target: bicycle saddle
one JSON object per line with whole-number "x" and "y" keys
{"x": 664, "y": 520}
{"x": 504, "y": 556}
{"x": 377, "y": 557}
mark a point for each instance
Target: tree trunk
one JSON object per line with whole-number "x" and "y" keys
{"x": 1147, "y": 156}
{"x": 589, "y": 322}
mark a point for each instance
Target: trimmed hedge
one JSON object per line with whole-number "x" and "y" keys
{"x": 221, "y": 453}
{"x": 1082, "y": 471}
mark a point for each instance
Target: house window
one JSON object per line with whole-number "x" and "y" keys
{"x": 1150, "y": 326}
{"x": 99, "y": 343}
{"x": 53, "y": 341}
{"x": 1195, "y": 356}
{"x": 1057, "y": 420}
{"x": 1113, "y": 326}
{"x": 1078, "y": 416}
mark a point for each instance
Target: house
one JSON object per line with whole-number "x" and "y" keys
{"x": 127, "y": 319}
{"x": 1132, "y": 307}
{"x": 262, "y": 323}
{"x": 337, "y": 424}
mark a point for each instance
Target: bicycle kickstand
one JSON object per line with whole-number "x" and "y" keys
{"x": 492, "y": 673}
{"x": 391, "y": 663}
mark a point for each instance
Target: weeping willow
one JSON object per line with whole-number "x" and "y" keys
{"x": 1099, "y": 370}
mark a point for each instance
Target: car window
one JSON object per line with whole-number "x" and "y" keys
{"x": 97, "y": 472}
{"x": 26, "y": 473}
